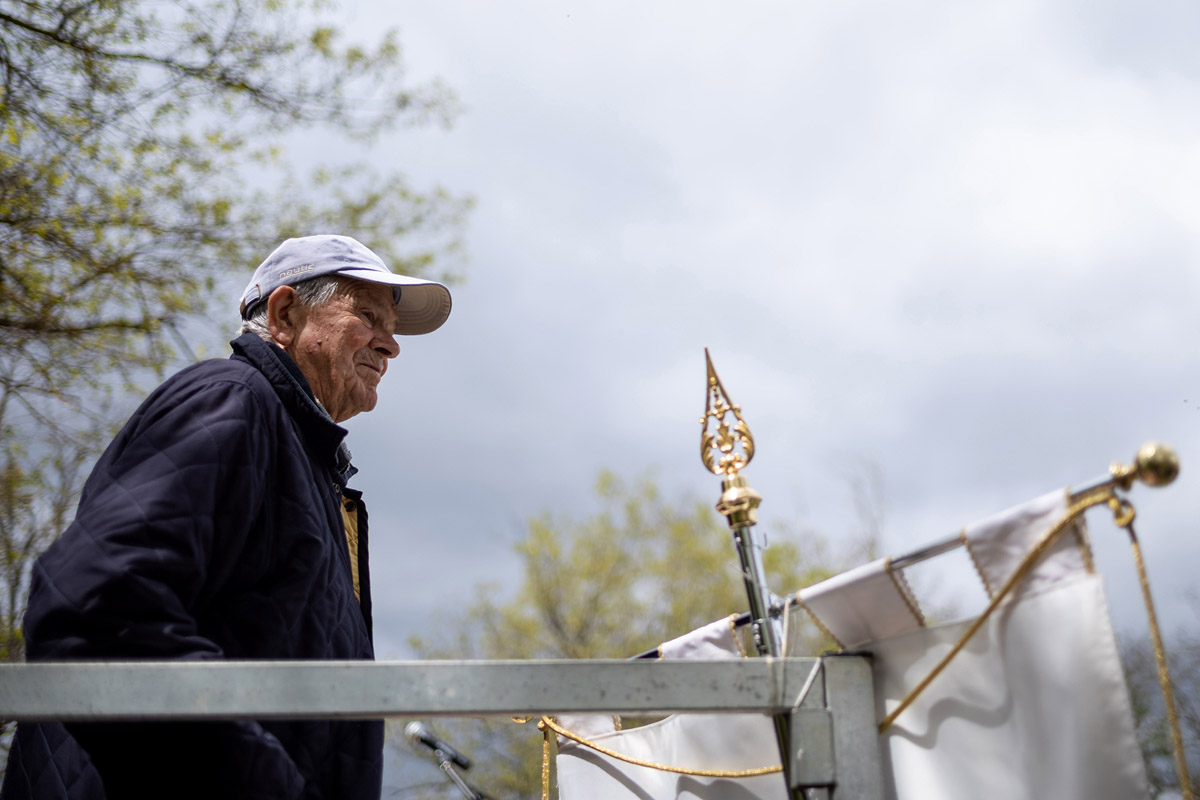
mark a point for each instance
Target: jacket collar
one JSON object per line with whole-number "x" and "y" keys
{"x": 324, "y": 435}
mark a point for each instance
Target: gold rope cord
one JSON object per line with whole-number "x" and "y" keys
{"x": 545, "y": 761}
{"x": 1085, "y": 549}
{"x": 637, "y": 762}
{"x": 1160, "y": 657}
{"x": 1022, "y": 570}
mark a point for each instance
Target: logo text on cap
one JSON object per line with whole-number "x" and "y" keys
{"x": 287, "y": 273}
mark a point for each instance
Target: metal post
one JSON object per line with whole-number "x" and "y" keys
{"x": 725, "y": 450}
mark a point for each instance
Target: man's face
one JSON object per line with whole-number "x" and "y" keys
{"x": 343, "y": 347}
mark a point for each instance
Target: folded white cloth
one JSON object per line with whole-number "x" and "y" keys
{"x": 867, "y": 603}
{"x": 1035, "y": 706}
{"x": 714, "y": 640}
{"x": 728, "y": 742}
{"x": 999, "y": 543}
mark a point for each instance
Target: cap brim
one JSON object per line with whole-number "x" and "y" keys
{"x": 423, "y": 307}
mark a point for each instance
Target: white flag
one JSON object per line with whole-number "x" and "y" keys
{"x": 1035, "y": 706}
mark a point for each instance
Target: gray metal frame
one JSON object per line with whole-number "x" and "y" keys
{"x": 830, "y": 701}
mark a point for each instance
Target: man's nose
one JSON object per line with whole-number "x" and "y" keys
{"x": 387, "y": 345}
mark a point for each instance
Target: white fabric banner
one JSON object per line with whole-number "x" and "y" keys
{"x": 730, "y": 742}
{"x": 862, "y": 605}
{"x": 1035, "y": 706}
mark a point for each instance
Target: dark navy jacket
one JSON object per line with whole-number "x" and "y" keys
{"x": 209, "y": 529}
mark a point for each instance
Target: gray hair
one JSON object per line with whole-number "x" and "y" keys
{"x": 312, "y": 292}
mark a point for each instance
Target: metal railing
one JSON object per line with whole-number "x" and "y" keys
{"x": 829, "y": 701}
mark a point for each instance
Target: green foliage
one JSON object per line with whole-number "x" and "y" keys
{"x": 142, "y": 157}
{"x": 639, "y": 572}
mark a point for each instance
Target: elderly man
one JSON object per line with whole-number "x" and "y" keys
{"x": 218, "y": 524}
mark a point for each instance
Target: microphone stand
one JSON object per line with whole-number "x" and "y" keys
{"x": 447, "y": 766}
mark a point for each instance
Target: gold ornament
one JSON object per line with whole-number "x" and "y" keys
{"x": 725, "y": 448}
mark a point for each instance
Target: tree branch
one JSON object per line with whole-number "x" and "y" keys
{"x": 146, "y": 325}
{"x": 204, "y": 71}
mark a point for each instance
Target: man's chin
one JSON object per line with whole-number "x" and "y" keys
{"x": 368, "y": 403}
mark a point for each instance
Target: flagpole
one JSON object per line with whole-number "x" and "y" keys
{"x": 1154, "y": 464}
{"x": 725, "y": 449}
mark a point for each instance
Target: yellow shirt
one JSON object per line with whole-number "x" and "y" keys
{"x": 350, "y": 523}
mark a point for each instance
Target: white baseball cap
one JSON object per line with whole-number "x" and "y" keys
{"x": 422, "y": 305}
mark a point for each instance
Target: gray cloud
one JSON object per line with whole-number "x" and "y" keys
{"x": 960, "y": 243}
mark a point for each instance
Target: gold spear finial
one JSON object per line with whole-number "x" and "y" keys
{"x": 723, "y": 449}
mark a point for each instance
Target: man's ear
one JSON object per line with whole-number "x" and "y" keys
{"x": 284, "y": 316}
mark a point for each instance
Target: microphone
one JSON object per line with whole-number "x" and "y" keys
{"x": 419, "y": 734}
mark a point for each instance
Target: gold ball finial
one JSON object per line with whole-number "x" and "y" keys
{"x": 1157, "y": 464}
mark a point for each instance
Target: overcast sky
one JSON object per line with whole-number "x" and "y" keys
{"x": 958, "y": 241}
